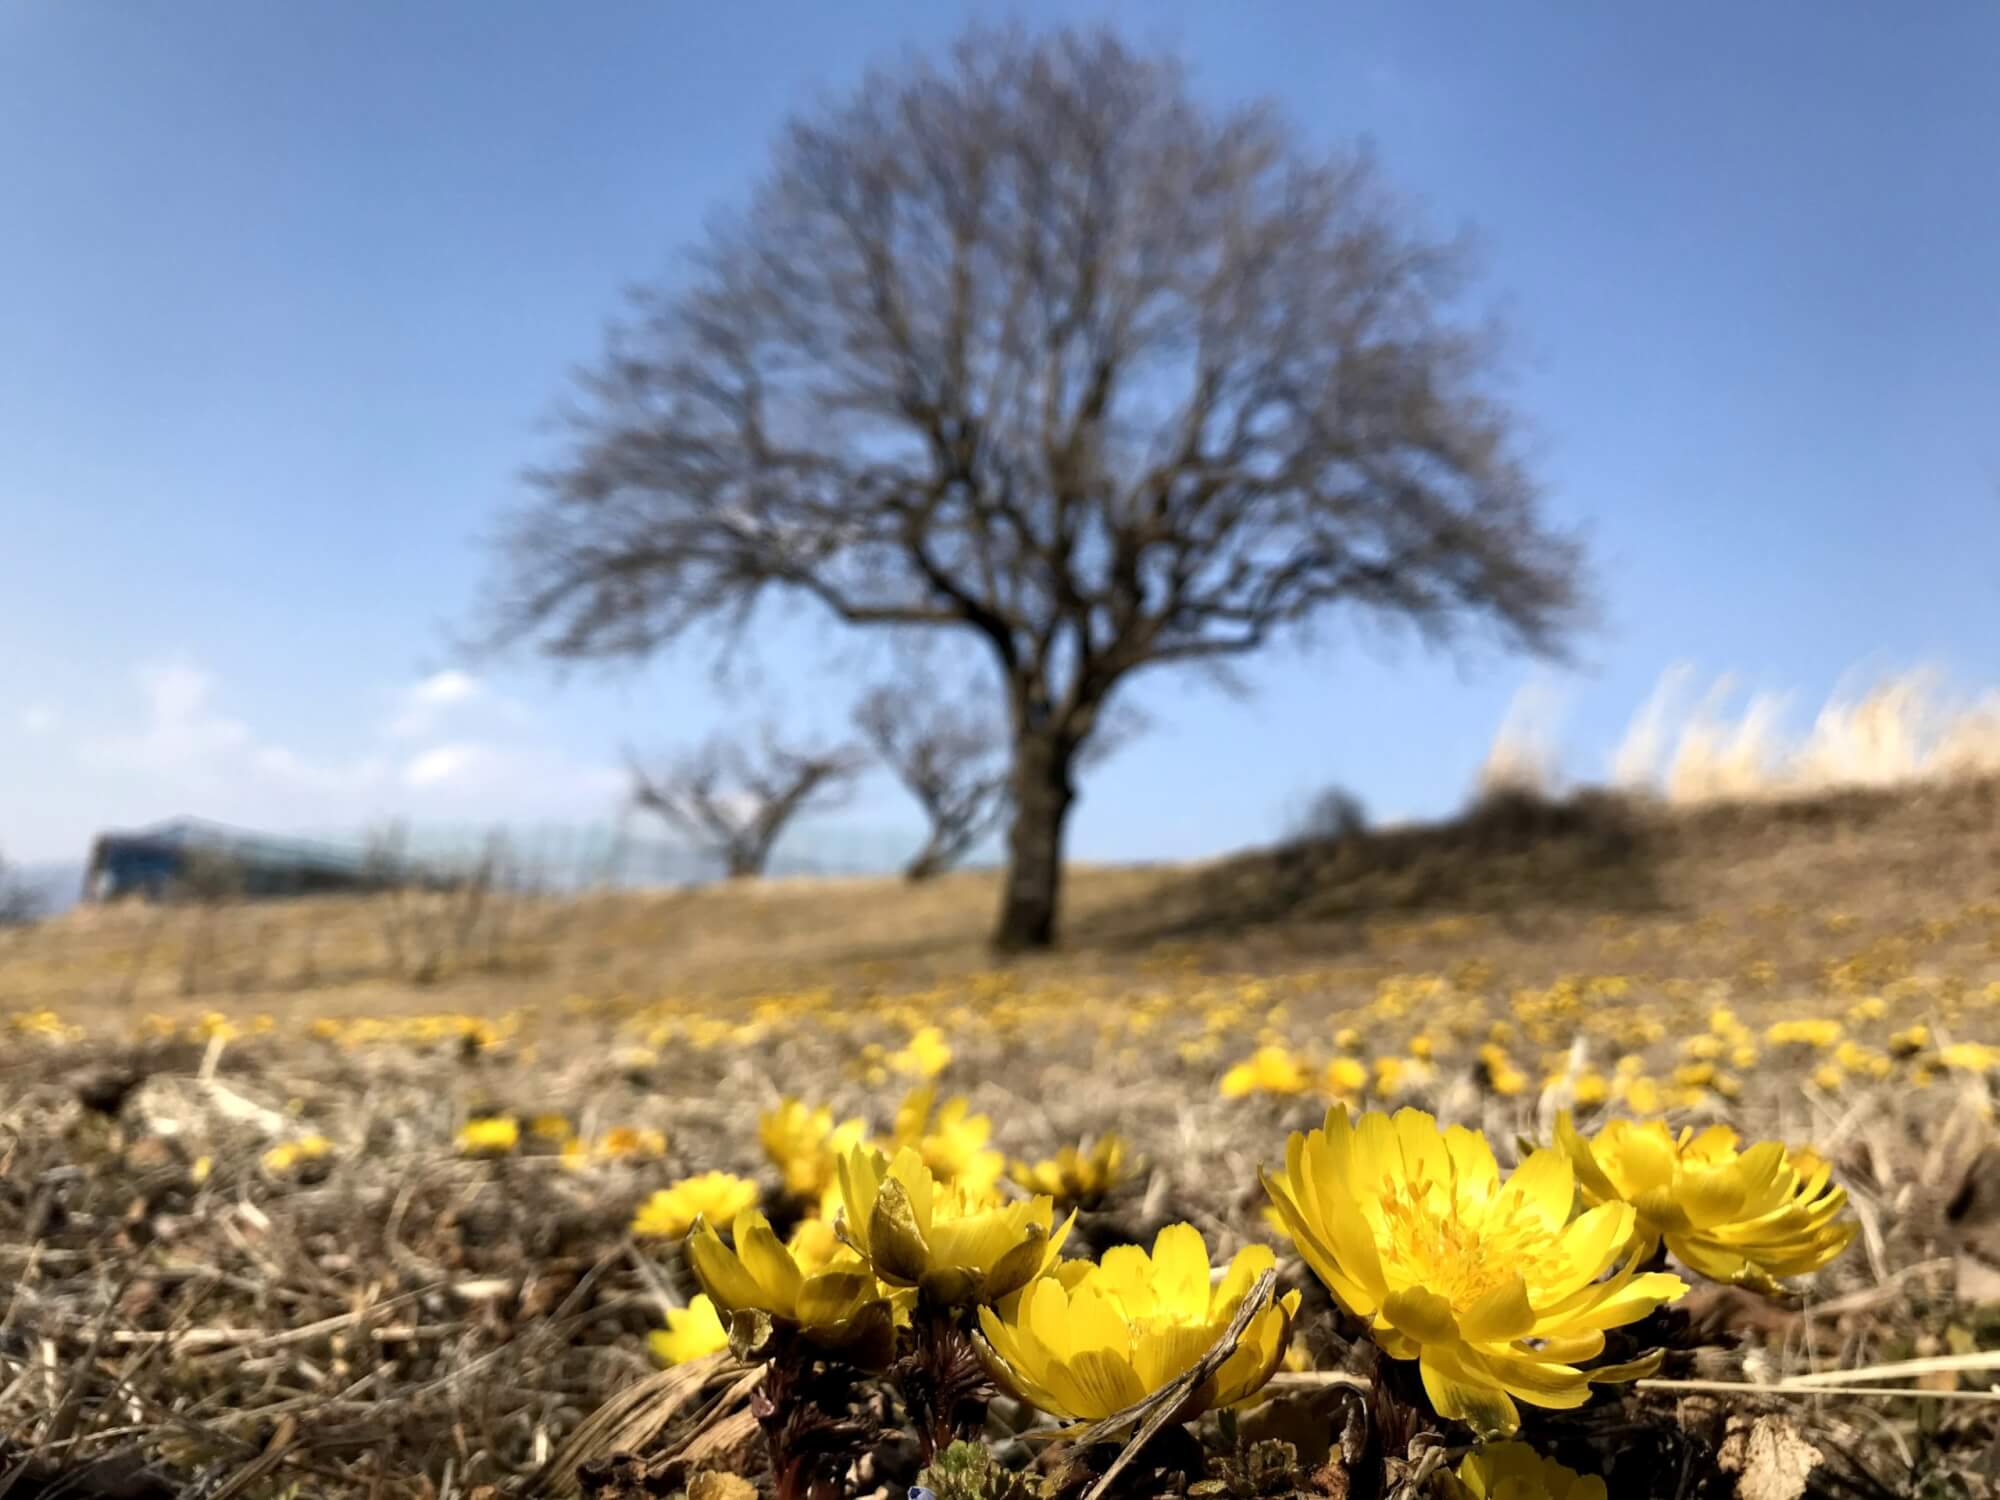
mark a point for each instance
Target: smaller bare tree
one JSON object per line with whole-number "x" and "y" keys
{"x": 952, "y": 759}
{"x": 733, "y": 802}
{"x": 1330, "y": 816}
{"x": 958, "y": 762}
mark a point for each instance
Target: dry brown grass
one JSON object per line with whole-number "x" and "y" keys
{"x": 1523, "y": 872}
{"x": 403, "y": 1322}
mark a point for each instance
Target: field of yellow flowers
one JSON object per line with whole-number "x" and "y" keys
{"x": 1450, "y": 1172}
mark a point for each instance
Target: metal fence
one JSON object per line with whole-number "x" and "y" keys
{"x": 578, "y": 856}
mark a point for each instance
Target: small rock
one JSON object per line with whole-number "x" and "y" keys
{"x": 1769, "y": 1458}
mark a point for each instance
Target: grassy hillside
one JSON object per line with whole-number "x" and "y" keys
{"x": 242, "y": 1235}
{"x": 1546, "y": 885}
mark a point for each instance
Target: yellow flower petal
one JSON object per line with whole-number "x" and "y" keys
{"x": 1422, "y": 1314}
{"x": 767, "y": 1260}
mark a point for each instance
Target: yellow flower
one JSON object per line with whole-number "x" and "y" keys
{"x": 805, "y": 1145}
{"x": 1489, "y": 1285}
{"x": 1732, "y": 1215}
{"x": 489, "y": 1135}
{"x": 1590, "y": 1089}
{"x": 1910, "y": 1041}
{"x": 717, "y": 1197}
{"x": 551, "y": 1127}
{"x": 954, "y": 1145}
{"x": 1501, "y": 1075}
{"x": 1514, "y": 1471}
{"x": 1090, "y": 1343}
{"x": 815, "y": 1245}
{"x": 1072, "y": 1175}
{"x": 1393, "y": 1075}
{"x": 1268, "y": 1070}
{"x": 840, "y": 1308}
{"x": 286, "y": 1155}
{"x": 1970, "y": 1057}
{"x": 632, "y": 1143}
{"x": 1812, "y": 1032}
{"x": 927, "y": 1055}
{"x": 1640, "y": 1092}
{"x": 691, "y": 1332}
{"x": 953, "y": 1244}
{"x": 1854, "y": 1058}
{"x": 1345, "y": 1078}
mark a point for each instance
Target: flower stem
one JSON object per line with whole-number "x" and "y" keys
{"x": 942, "y": 1383}
{"x": 802, "y": 1409}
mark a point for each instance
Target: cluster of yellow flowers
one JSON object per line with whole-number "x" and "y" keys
{"x": 1733, "y": 1215}
{"x": 1499, "y": 1286}
{"x": 1461, "y": 1037}
{"x": 450, "y": 1028}
{"x": 816, "y": 1160}
{"x": 1074, "y": 1174}
{"x": 491, "y": 1135}
{"x": 41, "y": 1025}
{"x": 1495, "y": 1286}
{"x": 1891, "y": 1013}
{"x": 1080, "y": 1340}
{"x": 805, "y": 1145}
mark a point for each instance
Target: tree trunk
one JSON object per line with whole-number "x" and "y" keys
{"x": 1042, "y": 798}
{"x": 930, "y": 861}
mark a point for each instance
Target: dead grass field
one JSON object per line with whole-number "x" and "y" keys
{"x": 396, "y": 1319}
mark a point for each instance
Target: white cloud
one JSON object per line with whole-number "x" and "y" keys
{"x": 453, "y": 701}
{"x": 182, "y": 732}
{"x": 424, "y": 705}
{"x": 39, "y": 718}
{"x": 443, "y": 764}
{"x": 174, "y": 746}
{"x": 523, "y": 778}
{"x": 450, "y": 686}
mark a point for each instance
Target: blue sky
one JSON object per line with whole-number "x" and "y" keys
{"x": 287, "y": 291}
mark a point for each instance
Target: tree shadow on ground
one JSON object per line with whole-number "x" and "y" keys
{"x": 1512, "y": 855}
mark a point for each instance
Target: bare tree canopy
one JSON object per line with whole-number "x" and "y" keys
{"x": 733, "y": 802}
{"x": 1029, "y": 345}
{"x": 950, "y": 756}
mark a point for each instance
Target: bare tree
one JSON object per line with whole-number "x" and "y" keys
{"x": 1031, "y": 346}
{"x": 950, "y": 756}
{"x": 733, "y": 802}
{"x": 1330, "y": 815}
